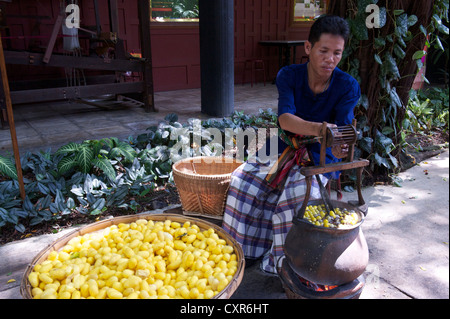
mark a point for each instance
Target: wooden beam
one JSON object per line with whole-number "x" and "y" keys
{"x": 114, "y": 25}
{"x": 58, "y": 82}
{"x": 51, "y": 43}
{"x": 74, "y": 92}
{"x": 114, "y": 16}
{"x": 146, "y": 47}
{"x": 36, "y": 59}
{"x": 315, "y": 170}
{"x": 12, "y": 127}
{"x": 97, "y": 18}
{"x": 119, "y": 64}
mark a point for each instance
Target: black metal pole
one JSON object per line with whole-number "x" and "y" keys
{"x": 217, "y": 56}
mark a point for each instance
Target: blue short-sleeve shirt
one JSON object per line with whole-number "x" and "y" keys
{"x": 335, "y": 105}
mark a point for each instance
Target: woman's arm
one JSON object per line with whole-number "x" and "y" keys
{"x": 294, "y": 124}
{"x": 297, "y": 125}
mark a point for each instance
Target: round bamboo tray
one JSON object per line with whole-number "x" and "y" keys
{"x": 202, "y": 183}
{"x": 226, "y": 293}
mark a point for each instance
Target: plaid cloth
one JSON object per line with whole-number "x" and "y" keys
{"x": 259, "y": 216}
{"x": 295, "y": 154}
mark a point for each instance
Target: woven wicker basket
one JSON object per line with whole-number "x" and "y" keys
{"x": 226, "y": 293}
{"x": 202, "y": 183}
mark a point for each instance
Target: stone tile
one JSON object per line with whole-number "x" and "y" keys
{"x": 31, "y": 142}
{"x": 53, "y": 126}
{"x": 112, "y": 131}
{"x": 91, "y": 123}
{"x": 140, "y": 127}
{"x": 72, "y": 107}
{"x": 39, "y": 125}
{"x": 22, "y": 130}
{"x": 56, "y": 140}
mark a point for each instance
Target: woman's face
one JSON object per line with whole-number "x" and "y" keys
{"x": 326, "y": 54}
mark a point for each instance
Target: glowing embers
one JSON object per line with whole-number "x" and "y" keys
{"x": 297, "y": 287}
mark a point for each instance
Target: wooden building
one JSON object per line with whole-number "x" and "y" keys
{"x": 27, "y": 25}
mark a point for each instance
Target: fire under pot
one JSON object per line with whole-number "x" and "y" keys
{"x": 297, "y": 287}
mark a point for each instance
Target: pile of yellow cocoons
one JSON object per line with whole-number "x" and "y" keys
{"x": 337, "y": 218}
{"x": 143, "y": 259}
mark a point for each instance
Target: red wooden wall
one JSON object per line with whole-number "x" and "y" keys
{"x": 257, "y": 20}
{"x": 175, "y": 48}
{"x": 176, "y": 58}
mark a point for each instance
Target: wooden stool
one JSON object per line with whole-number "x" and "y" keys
{"x": 254, "y": 65}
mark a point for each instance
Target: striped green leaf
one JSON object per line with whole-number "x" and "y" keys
{"x": 84, "y": 159}
{"x": 105, "y": 165}
{"x": 8, "y": 168}
{"x": 71, "y": 147}
{"x": 66, "y": 164}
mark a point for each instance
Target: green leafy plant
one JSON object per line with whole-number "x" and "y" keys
{"x": 419, "y": 115}
{"x": 185, "y": 9}
{"x": 88, "y": 178}
{"x": 382, "y": 112}
{"x": 389, "y": 52}
{"x": 439, "y": 103}
{"x": 94, "y": 154}
{"x": 7, "y": 167}
{"x": 265, "y": 118}
{"x": 91, "y": 195}
{"x": 428, "y": 110}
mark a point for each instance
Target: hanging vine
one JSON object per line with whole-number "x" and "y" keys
{"x": 385, "y": 61}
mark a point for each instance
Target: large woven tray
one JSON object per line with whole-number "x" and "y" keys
{"x": 226, "y": 293}
{"x": 202, "y": 183}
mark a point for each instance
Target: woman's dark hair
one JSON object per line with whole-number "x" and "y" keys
{"x": 329, "y": 24}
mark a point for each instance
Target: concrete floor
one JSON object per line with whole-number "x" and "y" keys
{"x": 41, "y": 126}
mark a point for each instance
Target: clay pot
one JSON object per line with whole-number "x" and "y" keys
{"x": 327, "y": 256}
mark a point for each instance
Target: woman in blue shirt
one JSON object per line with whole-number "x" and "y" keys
{"x": 258, "y": 214}
{"x": 318, "y": 91}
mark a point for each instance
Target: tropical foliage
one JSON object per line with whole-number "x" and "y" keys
{"x": 428, "y": 110}
{"x": 385, "y": 61}
{"x": 88, "y": 178}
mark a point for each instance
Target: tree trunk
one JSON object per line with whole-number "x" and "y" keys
{"x": 369, "y": 69}
{"x": 382, "y": 108}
